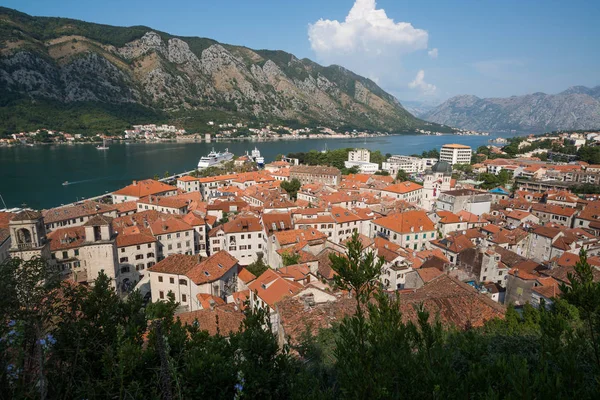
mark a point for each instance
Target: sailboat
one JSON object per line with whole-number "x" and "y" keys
{"x": 104, "y": 146}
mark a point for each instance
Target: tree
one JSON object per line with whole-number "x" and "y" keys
{"x": 258, "y": 267}
{"x": 402, "y": 176}
{"x": 279, "y": 157}
{"x": 290, "y": 258}
{"x": 166, "y": 174}
{"x": 291, "y": 187}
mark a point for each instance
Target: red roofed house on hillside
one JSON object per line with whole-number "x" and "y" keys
{"x": 408, "y": 191}
{"x": 188, "y": 184}
{"x": 270, "y": 288}
{"x": 139, "y": 189}
{"x": 410, "y": 229}
{"x": 242, "y": 237}
{"x": 293, "y": 241}
{"x": 188, "y": 277}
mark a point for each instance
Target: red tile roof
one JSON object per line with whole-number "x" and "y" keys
{"x": 403, "y": 187}
{"x": 144, "y": 188}
{"x": 406, "y": 222}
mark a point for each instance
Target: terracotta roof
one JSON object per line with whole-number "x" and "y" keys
{"x": 208, "y": 300}
{"x": 403, "y": 187}
{"x": 27, "y": 215}
{"x": 169, "y": 225}
{"x": 271, "y": 287}
{"x": 242, "y": 224}
{"x": 126, "y": 206}
{"x": 447, "y": 217}
{"x": 66, "y": 238}
{"x": 212, "y": 268}
{"x": 427, "y": 274}
{"x": 343, "y": 215}
{"x": 144, "y": 188}
{"x": 407, "y": 222}
{"x": 455, "y": 244}
{"x": 297, "y": 235}
{"x": 224, "y": 319}
{"x": 5, "y": 218}
{"x": 134, "y": 239}
{"x": 314, "y": 170}
{"x": 246, "y": 276}
{"x": 187, "y": 178}
{"x": 554, "y": 209}
{"x": 99, "y": 220}
{"x": 88, "y": 208}
{"x": 176, "y": 264}
{"x": 455, "y": 302}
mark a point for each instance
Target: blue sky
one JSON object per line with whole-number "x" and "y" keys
{"x": 484, "y": 47}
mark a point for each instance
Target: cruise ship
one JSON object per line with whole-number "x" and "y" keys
{"x": 257, "y": 157}
{"x": 213, "y": 158}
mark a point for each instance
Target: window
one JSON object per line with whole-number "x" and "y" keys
{"x": 183, "y": 282}
{"x": 260, "y": 245}
{"x": 161, "y": 294}
{"x": 171, "y": 280}
{"x": 416, "y": 237}
{"x": 124, "y": 259}
{"x": 242, "y": 236}
{"x": 149, "y": 245}
{"x": 139, "y": 257}
{"x": 178, "y": 234}
{"x": 187, "y": 233}
{"x": 139, "y": 267}
{"x": 187, "y": 243}
{"x": 178, "y": 245}
{"x": 169, "y": 236}
{"x": 183, "y": 298}
{"x": 407, "y": 237}
{"x": 150, "y": 255}
{"x": 65, "y": 254}
{"x": 170, "y": 247}
{"x": 122, "y": 250}
{"x": 259, "y": 235}
{"x": 432, "y": 234}
{"x": 424, "y": 236}
{"x": 249, "y": 247}
{"x": 151, "y": 263}
{"x": 249, "y": 236}
{"x": 124, "y": 270}
{"x": 138, "y": 247}
{"x": 160, "y": 279}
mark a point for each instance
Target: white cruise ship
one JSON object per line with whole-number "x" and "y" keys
{"x": 257, "y": 157}
{"x": 213, "y": 158}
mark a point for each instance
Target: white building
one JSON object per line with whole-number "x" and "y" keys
{"x": 188, "y": 278}
{"x": 361, "y": 155}
{"x": 456, "y": 154}
{"x": 242, "y": 238}
{"x": 407, "y": 164}
{"x": 436, "y": 180}
{"x": 364, "y": 167}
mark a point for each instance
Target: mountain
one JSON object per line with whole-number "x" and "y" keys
{"x": 76, "y": 75}
{"x": 576, "y": 108}
{"x": 418, "y": 108}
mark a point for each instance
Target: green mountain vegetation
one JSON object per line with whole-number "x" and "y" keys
{"x": 61, "y": 340}
{"x": 60, "y": 73}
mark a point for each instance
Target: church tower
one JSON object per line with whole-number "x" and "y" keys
{"x": 28, "y": 236}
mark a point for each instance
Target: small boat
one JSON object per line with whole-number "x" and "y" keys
{"x": 65, "y": 183}
{"x": 104, "y": 146}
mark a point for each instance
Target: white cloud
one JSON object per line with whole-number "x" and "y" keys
{"x": 367, "y": 42}
{"x": 419, "y": 83}
{"x": 433, "y": 53}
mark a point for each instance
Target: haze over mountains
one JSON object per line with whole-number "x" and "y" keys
{"x": 575, "y": 108}
{"x": 65, "y": 72}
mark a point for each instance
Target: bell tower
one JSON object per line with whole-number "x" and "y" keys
{"x": 28, "y": 236}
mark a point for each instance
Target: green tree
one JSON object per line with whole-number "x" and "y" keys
{"x": 258, "y": 267}
{"x": 166, "y": 174}
{"x": 402, "y": 176}
{"x": 290, "y": 258}
{"x": 291, "y": 187}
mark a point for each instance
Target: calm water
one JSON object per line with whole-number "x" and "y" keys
{"x": 34, "y": 175}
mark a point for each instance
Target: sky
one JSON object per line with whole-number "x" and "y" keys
{"x": 420, "y": 50}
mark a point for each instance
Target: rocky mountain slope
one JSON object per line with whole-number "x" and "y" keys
{"x": 576, "y": 108}
{"x": 56, "y": 66}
